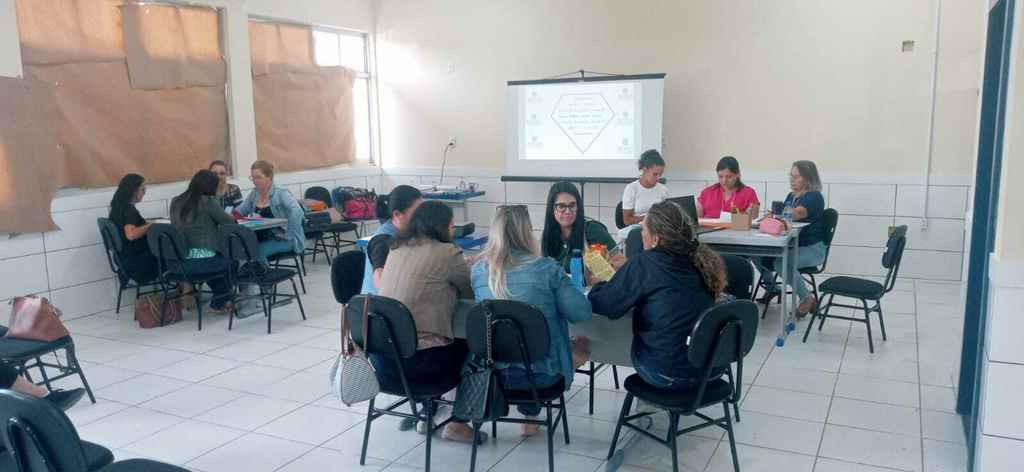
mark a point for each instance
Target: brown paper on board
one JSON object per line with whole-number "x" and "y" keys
{"x": 280, "y": 47}
{"x": 29, "y": 157}
{"x": 64, "y": 31}
{"x": 171, "y": 46}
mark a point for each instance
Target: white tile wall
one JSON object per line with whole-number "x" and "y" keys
{"x": 77, "y": 266}
{"x": 23, "y": 275}
{"x": 857, "y": 199}
{"x": 930, "y": 265}
{"x": 86, "y": 299}
{"x": 1005, "y": 325}
{"x": 941, "y": 235}
{"x": 857, "y": 230}
{"x": 1002, "y": 398}
{"x": 77, "y": 228}
{"x": 943, "y": 201}
{"x": 21, "y": 245}
{"x": 999, "y": 454}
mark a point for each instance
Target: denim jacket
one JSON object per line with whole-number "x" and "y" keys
{"x": 284, "y": 205}
{"x": 541, "y": 282}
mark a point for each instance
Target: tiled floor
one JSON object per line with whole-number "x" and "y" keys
{"x": 243, "y": 400}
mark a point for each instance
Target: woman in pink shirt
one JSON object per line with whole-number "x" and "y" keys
{"x": 728, "y": 193}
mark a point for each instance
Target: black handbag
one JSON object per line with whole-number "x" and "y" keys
{"x": 479, "y": 397}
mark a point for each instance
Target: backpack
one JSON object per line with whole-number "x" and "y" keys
{"x": 356, "y": 203}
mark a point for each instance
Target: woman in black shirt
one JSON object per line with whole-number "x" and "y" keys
{"x": 139, "y": 263}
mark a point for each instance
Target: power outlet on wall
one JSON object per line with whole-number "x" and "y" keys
{"x": 451, "y": 142}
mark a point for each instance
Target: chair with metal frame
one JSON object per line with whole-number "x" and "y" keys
{"x": 830, "y": 220}
{"x": 331, "y": 233}
{"x": 113, "y": 243}
{"x": 724, "y": 334}
{"x": 168, "y": 244}
{"x": 519, "y": 335}
{"x": 392, "y": 335}
{"x": 244, "y": 270}
{"x": 28, "y": 354}
{"x": 864, "y": 290}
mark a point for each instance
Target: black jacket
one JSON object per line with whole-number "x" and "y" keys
{"x": 668, "y": 295}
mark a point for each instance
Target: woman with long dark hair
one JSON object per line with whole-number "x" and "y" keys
{"x": 566, "y": 228}
{"x": 428, "y": 274}
{"x": 394, "y": 210}
{"x": 667, "y": 286}
{"x": 139, "y": 263}
{"x": 730, "y": 193}
{"x": 198, "y": 214}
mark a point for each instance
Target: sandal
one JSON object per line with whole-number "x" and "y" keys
{"x": 806, "y": 306}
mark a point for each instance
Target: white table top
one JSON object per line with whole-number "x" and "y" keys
{"x": 253, "y": 224}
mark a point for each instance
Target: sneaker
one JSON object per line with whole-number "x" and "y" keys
{"x": 407, "y": 423}
{"x": 65, "y": 399}
{"x": 461, "y": 432}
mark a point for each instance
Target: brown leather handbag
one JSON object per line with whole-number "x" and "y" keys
{"x": 35, "y": 318}
{"x": 148, "y": 311}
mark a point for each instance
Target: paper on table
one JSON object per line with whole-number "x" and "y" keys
{"x": 598, "y": 265}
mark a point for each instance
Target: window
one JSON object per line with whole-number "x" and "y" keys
{"x": 349, "y": 49}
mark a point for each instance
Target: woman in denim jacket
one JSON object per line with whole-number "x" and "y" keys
{"x": 511, "y": 268}
{"x": 270, "y": 201}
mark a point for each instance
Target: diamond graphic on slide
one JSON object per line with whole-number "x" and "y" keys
{"x": 582, "y": 117}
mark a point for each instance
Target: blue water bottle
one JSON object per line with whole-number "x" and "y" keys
{"x": 576, "y": 269}
{"x": 787, "y": 214}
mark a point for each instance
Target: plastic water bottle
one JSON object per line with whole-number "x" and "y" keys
{"x": 787, "y": 214}
{"x": 576, "y": 269}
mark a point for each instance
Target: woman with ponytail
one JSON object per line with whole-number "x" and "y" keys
{"x": 668, "y": 286}
{"x": 394, "y": 210}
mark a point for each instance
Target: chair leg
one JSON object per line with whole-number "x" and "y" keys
{"x": 300, "y": 268}
{"x": 627, "y": 405}
{"x": 270, "y": 308}
{"x": 673, "y": 426}
{"x": 199, "y": 307}
{"x": 821, "y": 324}
{"x": 476, "y": 440}
{"x": 494, "y": 429}
{"x": 42, "y": 372}
{"x": 615, "y": 375}
{"x": 565, "y": 419}
{"x": 298, "y": 299}
{"x": 366, "y": 432}
{"x": 867, "y": 322}
{"x": 120, "y": 290}
{"x": 591, "y": 387}
{"x": 73, "y": 360}
{"x": 881, "y": 321}
{"x": 732, "y": 438}
{"x": 430, "y": 430}
{"x": 551, "y": 442}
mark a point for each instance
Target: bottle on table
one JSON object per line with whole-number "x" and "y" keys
{"x": 787, "y": 215}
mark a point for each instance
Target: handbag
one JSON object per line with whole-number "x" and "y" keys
{"x": 479, "y": 397}
{"x": 353, "y": 379}
{"x": 773, "y": 226}
{"x": 35, "y": 318}
{"x": 149, "y": 311}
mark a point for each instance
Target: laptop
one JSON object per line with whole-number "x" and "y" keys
{"x": 689, "y": 206}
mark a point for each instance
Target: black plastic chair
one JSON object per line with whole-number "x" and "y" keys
{"x": 331, "y": 232}
{"x": 28, "y": 354}
{"x": 830, "y": 219}
{"x": 740, "y": 276}
{"x": 113, "y": 242}
{"x": 168, "y": 245}
{"x": 864, "y": 290}
{"x": 40, "y": 438}
{"x": 241, "y": 248}
{"x": 634, "y": 243}
{"x": 290, "y": 260}
{"x": 392, "y": 334}
{"x": 519, "y": 334}
{"x": 347, "y": 272}
{"x": 619, "y": 221}
{"x": 724, "y": 334}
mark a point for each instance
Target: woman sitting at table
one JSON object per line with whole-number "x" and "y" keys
{"x": 428, "y": 274}
{"x": 395, "y": 210}
{"x": 271, "y": 201}
{"x": 229, "y": 195}
{"x": 728, "y": 194}
{"x": 139, "y": 263}
{"x": 807, "y": 206}
{"x": 668, "y": 286}
{"x": 511, "y": 268}
{"x": 198, "y": 215}
{"x": 566, "y": 229}
{"x": 645, "y": 191}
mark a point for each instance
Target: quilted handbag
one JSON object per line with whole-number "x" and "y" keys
{"x": 773, "y": 226}
{"x": 353, "y": 379}
{"x": 479, "y": 397}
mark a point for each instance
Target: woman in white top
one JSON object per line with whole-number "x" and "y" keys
{"x": 640, "y": 195}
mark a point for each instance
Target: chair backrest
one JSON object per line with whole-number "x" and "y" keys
{"x": 740, "y": 276}
{"x": 319, "y": 193}
{"x": 392, "y": 329}
{"x": 893, "y": 256}
{"x": 347, "y": 273}
{"x": 166, "y": 242}
{"x": 634, "y": 243}
{"x": 38, "y": 436}
{"x": 619, "y": 222}
{"x": 723, "y": 335}
{"x": 112, "y": 242}
{"x": 830, "y": 220}
{"x": 519, "y": 332}
{"x": 239, "y": 243}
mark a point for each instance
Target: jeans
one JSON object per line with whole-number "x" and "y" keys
{"x": 515, "y": 378}
{"x": 441, "y": 364}
{"x": 219, "y": 286}
{"x": 670, "y": 383}
{"x": 274, "y": 246}
{"x": 809, "y": 256}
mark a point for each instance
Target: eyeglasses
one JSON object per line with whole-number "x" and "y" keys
{"x": 565, "y": 208}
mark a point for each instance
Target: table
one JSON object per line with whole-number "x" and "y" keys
{"x": 467, "y": 243}
{"x": 455, "y": 198}
{"x": 752, "y": 243}
{"x": 253, "y": 224}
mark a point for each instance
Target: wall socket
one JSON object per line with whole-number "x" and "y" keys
{"x": 451, "y": 142}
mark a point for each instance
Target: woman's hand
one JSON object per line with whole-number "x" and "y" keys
{"x": 592, "y": 279}
{"x": 617, "y": 260}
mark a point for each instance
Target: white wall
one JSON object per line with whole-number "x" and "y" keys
{"x": 68, "y": 265}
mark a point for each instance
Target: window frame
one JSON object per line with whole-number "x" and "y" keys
{"x": 366, "y": 74}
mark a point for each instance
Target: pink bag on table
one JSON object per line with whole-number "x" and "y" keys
{"x": 773, "y": 226}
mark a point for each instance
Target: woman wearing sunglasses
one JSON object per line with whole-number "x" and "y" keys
{"x": 566, "y": 229}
